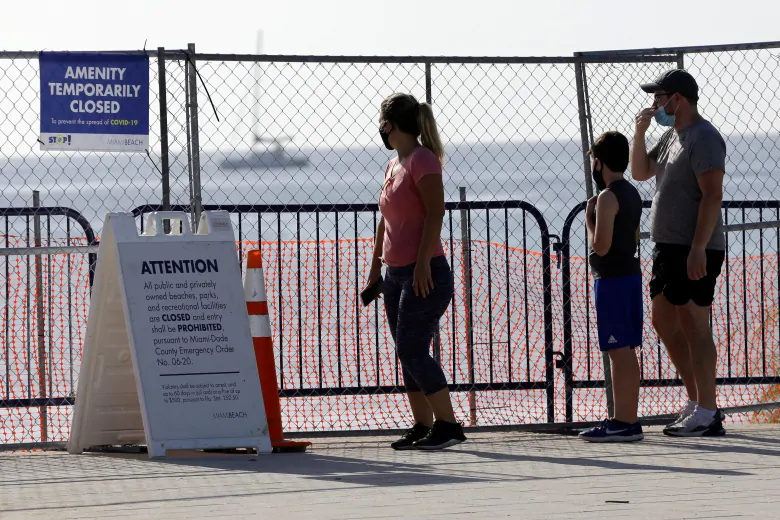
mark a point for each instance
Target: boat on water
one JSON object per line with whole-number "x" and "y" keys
{"x": 269, "y": 154}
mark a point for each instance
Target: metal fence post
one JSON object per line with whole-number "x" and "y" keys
{"x": 579, "y": 72}
{"x": 40, "y": 319}
{"x": 164, "y": 159}
{"x": 680, "y": 60}
{"x": 428, "y": 84}
{"x": 585, "y": 138}
{"x": 465, "y": 237}
{"x": 429, "y": 100}
{"x": 192, "y": 76}
{"x": 565, "y": 267}
{"x": 188, "y": 133}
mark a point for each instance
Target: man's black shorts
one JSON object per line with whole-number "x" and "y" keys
{"x": 670, "y": 275}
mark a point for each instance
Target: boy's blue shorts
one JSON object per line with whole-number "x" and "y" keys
{"x": 619, "y": 312}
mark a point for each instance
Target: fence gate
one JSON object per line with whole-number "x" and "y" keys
{"x": 336, "y": 361}
{"x": 43, "y": 297}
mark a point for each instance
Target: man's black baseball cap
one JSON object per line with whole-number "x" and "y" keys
{"x": 675, "y": 80}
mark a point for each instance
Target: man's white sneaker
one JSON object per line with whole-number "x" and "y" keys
{"x": 688, "y": 409}
{"x": 701, "y": 423}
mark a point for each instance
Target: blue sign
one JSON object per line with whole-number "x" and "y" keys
{"x": 94, "y": 102}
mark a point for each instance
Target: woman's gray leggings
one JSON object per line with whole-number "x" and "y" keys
{"x": 413, "y": 321}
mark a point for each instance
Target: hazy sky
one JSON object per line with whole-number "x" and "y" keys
{"x": 371, "y": 27}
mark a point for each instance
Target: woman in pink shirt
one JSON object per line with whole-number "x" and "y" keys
{"x": 418, "y": 284}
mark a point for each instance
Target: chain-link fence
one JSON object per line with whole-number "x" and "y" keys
{"x": 290, "y": 146}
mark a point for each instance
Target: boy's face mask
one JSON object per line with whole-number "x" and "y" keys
{"x": 598, "y": 175}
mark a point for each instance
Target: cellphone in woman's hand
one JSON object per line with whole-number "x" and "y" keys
{"x": 371, "y": 292}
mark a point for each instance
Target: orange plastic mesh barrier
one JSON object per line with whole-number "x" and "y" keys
{"x": 336, "y": 359}
{"x": 65, "y": 295}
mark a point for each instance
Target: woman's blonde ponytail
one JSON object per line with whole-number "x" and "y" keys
{"x": 429, "y": 134}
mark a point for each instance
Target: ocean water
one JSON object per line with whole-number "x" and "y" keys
{"x": 546, "y": 174}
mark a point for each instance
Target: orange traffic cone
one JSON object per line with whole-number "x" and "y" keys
{"x": 260, "y": 326}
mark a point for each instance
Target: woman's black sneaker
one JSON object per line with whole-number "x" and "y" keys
{"x": 412, "y": 435}
{"x": 442, "y": 435}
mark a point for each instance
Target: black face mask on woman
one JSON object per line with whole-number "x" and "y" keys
{"x": 385, "y": 137}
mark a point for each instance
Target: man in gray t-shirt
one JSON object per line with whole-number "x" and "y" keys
{"x": 681, "y": 158}
{"x": 688, "y": 163}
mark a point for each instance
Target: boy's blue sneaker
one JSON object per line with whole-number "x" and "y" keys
{"x": 613, "y": 431}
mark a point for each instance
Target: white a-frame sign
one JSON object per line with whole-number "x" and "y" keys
{"x": 168, "y": 359}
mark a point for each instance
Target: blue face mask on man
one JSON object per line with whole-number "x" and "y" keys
{"x": 662, "y": 118}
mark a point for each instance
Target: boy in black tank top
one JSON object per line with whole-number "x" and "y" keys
{"x": 612, "y": 219}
